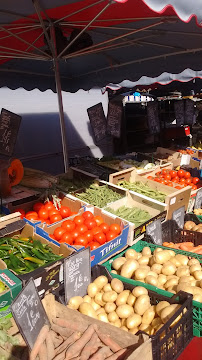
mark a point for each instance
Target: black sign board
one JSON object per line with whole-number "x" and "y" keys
{"x": 198, "y": 200}
{"x": 178, "y": 216}
{"x": 155, "y": 231}
{"x": 114, "y": 118}
{"x": 189, "y": 112}
{"x": 98, "y": 121}
{"x": 29, "y": 313}
{"x": 77, "y": 274}
{"x": 153, "y": 117}
{"x": 179, "y": 112}
{"x": 9, "y": 126}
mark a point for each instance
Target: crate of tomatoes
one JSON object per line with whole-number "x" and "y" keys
{"x": 105, "y": 233}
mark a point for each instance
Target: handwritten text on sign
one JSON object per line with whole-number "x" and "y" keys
{"x": 77, "y": 274}
{"x": 29, "y": 313}
{"x": 9, "y": 126}
{"x": 155, "y": 231}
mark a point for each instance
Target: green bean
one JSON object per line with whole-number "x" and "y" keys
{"x": 134, "y": 215}
{"x": 99, "y": 195}
{"x": 143, "y": 189}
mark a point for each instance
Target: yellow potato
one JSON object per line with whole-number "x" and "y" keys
{"x": 109, "y": 296}
{"x": 110, "y": 307}
{"x": 134, "y": 330}
{"x": 190, "y": 289}
{"x": 152, "y": 273}
{"x": 131, "y": 300}
{"x": 107, "y": 287}
{"x": 92, "y": 290}
{"x": 100, "y": 281}
{"x": 162, "y": 257}
{"x": 146, "y": 251}
{"x": 168, "y": 269}
{"x": 144, "y": 260}
{"x": 140, "y": 274}
{"x": 100, "y": 311}
{"x": 197, "y": 297}
{"x": 118, "y": 262}
{"x": 124, "y": 311}
{"x": 151, "y": 280}
{"x": 171, "y": 283}
{"x": 193, "y": 261}
{"x": 117, "y": 285}
{"x": 182, "y": 259}
{"x": 156, "y": 322}
{"x": 103, "y": 317}
{"x": 87, "y": 309}
{"x": 122, "y": 297}
{"x": 87, "y": 299}
{"x": 168, "y": 312}
{"x": 160, "y": 306}
{"x": 95, "y": 305}
{"x": 133, "y": 321}
{"x": 171, "y": 252}
{"x": 117, "y": 323}
{"x": 186, "y": 279}
{"x": 182, "y": 271}
{"x": 149, "y": 315}
{"x": 198, "y": 274}
{"x": 156, "y": 268}
{"x": 194, "y": 268}
{"x": 75, "y": 302}
{"x": 142, "y": 304}
{"x": 112, "y": 316}
{"x": 98, "y": 299}
{"x": 139, "y": 290}
{"x": 131, "y": 254}
{"x": 157, "y": 250}
{"x": 129, "y": 268}
{"x": 162, "y": 279}
{"x": 175, "y": 262}
{"x": 146, "y": 328}
{"x": 114, "y": 272}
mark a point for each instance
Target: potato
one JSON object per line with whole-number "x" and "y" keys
{"x": 107, "y": 287}
{"x": 156, "y": 322}
{"x": 110, "y": 307}
{"x": 146, "y": 251}
{"x": 200, "y": 284}
{"x": 168, "y": 269}
{"x": 118, "y": 262}
{"x": 152, "y": 273}
{"x": 160, "y": 306}
{"x": 112, "y": 316}
{"x": 103, "y": 317}
{"x": 139, "y": 290}
{"x": 124, "y": 311}
{"x": 156, "y": 268}
{"x": 162, "y": 279}
{"x": 149, "y": 315}
{"x": 92, "y": 290}
{"x": 117, "y": 323}
{"x": 186, "y": 278}
{"x": 175, "y": 262}
{"x": 114, "y": 272}
{"x": 133, "y": 321}
{"x": 131, "y": 300}
{"x": 197, "y": 297}
{"x": 182, "y": 259}
{"x": 144, "y": 260}
{"x": 140, "y": 274}
{"x": 190, "y": 289}
{"x": 139, "y": 255}
{"x": 122, "y": 297}
{"x": 151, "y": 280}
{"x": 95, "y": 305}
{"x": 182, "y": 271}
{"x": 162, "y": 257}
{"x": 117, "y": 285}
{"x": 87, "y": 299}
{"x": 109, "y": 296}
{"x": 168, "y": 312}
{"x": 75, "y": 302}
{"x": 134, "y": 330}
{"x": 193, "y": 261}
{"x": 100, "y": 311}
{"x": 195, "y": 228}
{"x": 151, "y": 261}
{"x": 100, "y": 281}
{"x": 146, "y": 328}
{"x": 157, "y": 250}
{"x": 171, "y": 252}
{"x": 87, "y": 309}
{"x": 194, "y": 268}
{"x": 189, "y": 225}
{"x": 198, "y": 274}
{"x": 131, "y": 254}
{"x": 98, "y": 299}
{"x": 172, "y": 289}
{"x": 171, "y": 283}
{"x": 129, "y": 268}
{"x": 142, "y": 304}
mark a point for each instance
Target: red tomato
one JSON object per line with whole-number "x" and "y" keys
{"x": 96, "y": 230}
{"x": 157, "y": 179}
{"x": 167, "y": 177}
{"x": 170, "y": 183}
{"x": 53, "y": 211}
{"x": 100, "y": 238}
{"x": 182, "y": 181}
{"x": 164, "y": 172}
{"x": 115, "y": 228}
{"x": 158, "y": 173}
{"x": 150, "y": 177}
{"x": 175, "y": 180}
{"x": 68, "y": 225}
{"x": 82, "y": 228}
{"x": 194, "y": 187}
{"x": 73, "y": 213}
{"x": 104, "y": 227}
{"x": 195, "y": 180}
{"x": 75, "y": 234}
{"x": 55, "y": 218}
{"x": 67, "y": 238}
{"x": 31, "y": 215}
{"x": 90, "y": 223}
{"x": 89, "y": 235}
{"x": 187, "y": 175}
{"x": 173, "y": 173}
{"x": 43, "y": 214}
{"x": 188, "y": 181}
{"x": 37, "y": 206}
{"x": 78, "y": 220}
{"x": 58, "y": 232}
{"x": 65, "y": 211}
{"x": 99, "y": 220}
{"x": 162, "y": 181}
{"x": 47, "y": 222}
{"x": 110, "y": 235}
{"x": 178, "y": 187}
{"x": 166, "y": 182}
{"x": 94, "y": 245}
{"x": 87, "y": 215}
{"x": 81, "y": 240}
{"x": 22, "y": 212}
{"x": 162, "y": 176}
{"x": 52, "y": 236}
{"x": 49, "y": 205}
{"x": 180, "y": 173}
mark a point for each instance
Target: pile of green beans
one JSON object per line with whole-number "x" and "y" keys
{"x": 134, "y": 215}
{"x": 99, "y": 195}
{"x": 143, "y": 189}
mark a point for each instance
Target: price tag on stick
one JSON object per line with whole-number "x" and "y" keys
{"x": 77, "y": 274}
{"x": 29, "y": 313}
{"x": 198, "y": 200}
{"x": 155, "y": 231}
{"x": 178, "y": 216}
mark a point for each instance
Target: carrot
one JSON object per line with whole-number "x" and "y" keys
{"x": 119, "y": 355}
{"x": 43, "y": 352}
{"x": 75, "y": 349}
{"x": 50, "y": 347}
{"x": 61, "y": 331}
{"x": 75, "y": 336}
{"x": 108, "y": 341}
{"x": 90, "y": 348}
{"x": 102, "y": 353}
{"x": 185, "y": 248}
{"x": 39, "y": 341}
{"x": 197, "y": 248}
{"x": 69, "y": 324}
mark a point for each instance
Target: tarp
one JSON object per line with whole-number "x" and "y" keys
{"x": 141, "y": 39}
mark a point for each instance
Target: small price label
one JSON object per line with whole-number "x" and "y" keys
{"x": 185, "y": 159}
{"x": 155, "y": 231}
{"x": 178, "y": 216}
{"x": 198, "y": 201}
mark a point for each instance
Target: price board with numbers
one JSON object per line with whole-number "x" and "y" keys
{"x": 9, "y": 126}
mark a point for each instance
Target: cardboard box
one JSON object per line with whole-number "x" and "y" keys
{"x": 134, "y": 200}
{"x": 105, "y": 251}
{"x": 14, "y": 286}
{"x": 174, "y": 198}
{"x": 47, "y": 278}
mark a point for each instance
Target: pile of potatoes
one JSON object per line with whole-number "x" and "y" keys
{"x": 163, "y": 269}
{"x": 190, "y": 225}
{"x": 128, "y": 310}
{"x": 198, "y": 211}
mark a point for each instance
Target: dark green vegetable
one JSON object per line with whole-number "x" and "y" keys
{"x": 134, "y": 215}
{"x": 99, "y": 195}
{"x": 143, "y": 189}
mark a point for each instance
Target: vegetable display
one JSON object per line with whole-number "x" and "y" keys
{"x": 185, "y": 246}
{"x": 143, "y": 189}
{"x": 134, "y": 215}
{"x": 128, "y": 163}
{"x": 190, "y": 225}
{"x": 69, "y": 186}
{"x": 198, "y": 212}
{"x": 23, "y": 255}
{"x": 98, "y": 195}
{"x": 86, "y": 230}
{"x": 129, "y": 310}
{"x": 163, "y": 269}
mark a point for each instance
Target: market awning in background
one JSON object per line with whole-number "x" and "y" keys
{"x": 141, "y": 41}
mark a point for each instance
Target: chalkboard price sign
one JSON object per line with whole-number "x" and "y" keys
{"x": 29, "y": 313}
{"x": 155, "y": 231}
{"x": 77, "y": 274}
{"x": 114, "y": 118}
{"x": 198, "y": 200}
{"x": 9, "y": 126}
{"x": 153, "y": 117}
{"x": 98, "y": 121}
{"x": 178, "y": 216}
